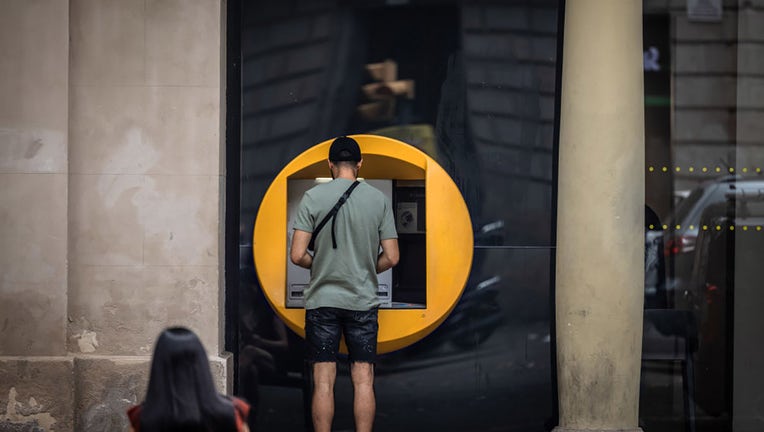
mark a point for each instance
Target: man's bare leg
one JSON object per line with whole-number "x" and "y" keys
{"x": 324, "y": 375}
{"x": 364, "y": 403}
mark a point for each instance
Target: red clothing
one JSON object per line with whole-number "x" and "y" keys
{"x": 240, "y": 408}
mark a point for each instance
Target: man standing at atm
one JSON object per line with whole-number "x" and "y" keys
{"x": 342, "y": 295}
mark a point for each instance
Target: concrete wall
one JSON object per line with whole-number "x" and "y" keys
{"x": 111, "y": 201}
{"x": 36, "y": 376}
{"x": 33, "y": 174}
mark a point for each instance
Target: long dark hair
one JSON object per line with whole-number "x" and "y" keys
{"x": 181, "y": 395}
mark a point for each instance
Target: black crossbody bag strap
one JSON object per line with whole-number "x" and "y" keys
{"x": 330, "y": 215}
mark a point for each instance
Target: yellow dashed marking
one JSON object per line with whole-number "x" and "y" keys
{"x": 652, "y": 168}
{"x": 717, "y": 227}
{"x": 706, "y": 227}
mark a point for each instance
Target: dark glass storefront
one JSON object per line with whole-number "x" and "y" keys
{"x": 478, "y": 97}
{"x": 478, "y": 89}
{"x": 702, "y": 362}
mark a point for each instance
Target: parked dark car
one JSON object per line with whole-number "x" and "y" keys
{"x": 728, "y": 257}
{"x": 684, "y": 225}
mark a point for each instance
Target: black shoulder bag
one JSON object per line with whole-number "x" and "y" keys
{"x": 330, "y": 215}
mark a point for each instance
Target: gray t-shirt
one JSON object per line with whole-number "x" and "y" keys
{"x": 345, "y": 277}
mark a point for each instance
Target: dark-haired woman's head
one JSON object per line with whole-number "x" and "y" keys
{"x": 181, "y": 395}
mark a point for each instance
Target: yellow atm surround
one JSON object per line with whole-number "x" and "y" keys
{"x": 449, "y": 241}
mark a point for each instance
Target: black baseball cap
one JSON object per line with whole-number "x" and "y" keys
{"x": 344, "y": 149}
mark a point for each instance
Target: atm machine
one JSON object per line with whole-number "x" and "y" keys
{"x": 400, "y": 287}
{"x": 434, "y": 238}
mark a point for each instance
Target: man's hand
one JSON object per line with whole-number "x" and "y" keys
{"x": 389, "y": 256}
{"x": 299, "y": 252}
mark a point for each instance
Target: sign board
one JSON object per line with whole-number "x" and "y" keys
{"x": 704, "y": 10}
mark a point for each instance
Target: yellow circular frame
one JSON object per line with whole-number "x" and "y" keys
{"x": 449, "y": 240}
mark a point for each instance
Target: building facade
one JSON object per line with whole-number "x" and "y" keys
{"x": 137, "y": 138}
{"x": 112, "y": 176}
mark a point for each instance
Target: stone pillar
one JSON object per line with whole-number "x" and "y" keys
{"x": 35, "y": 373}
{"x": 600, "y": 239}
{"x": 145, "y": 181}
{"x": 111, "y": 183}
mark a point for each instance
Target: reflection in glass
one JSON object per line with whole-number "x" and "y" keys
{"x": 470, "y": 83}
{"x": 704, "y": 181}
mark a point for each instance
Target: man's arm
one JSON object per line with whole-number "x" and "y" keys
{"x": 389, "y": 256}
{"x": 299, "y": 253}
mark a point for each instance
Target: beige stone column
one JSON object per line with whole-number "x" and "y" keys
{"x": 111, "y": 189}
{"x": 600, "y": 275}
{"x": 35, "y": 374}
{"x": 145, "y": 184}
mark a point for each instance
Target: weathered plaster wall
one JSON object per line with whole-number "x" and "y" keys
{"x": 106, "y": 386}
{"x": 144, "y": 174}
{"x": 36, "y": 381}
{"x": 33, "y": 177}
{"x": 36, "y": 394}
{"x": 110, "y": 167}
{"x": 105, "y": 389}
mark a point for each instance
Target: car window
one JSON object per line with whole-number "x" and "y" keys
{"x": 686, "y": 205}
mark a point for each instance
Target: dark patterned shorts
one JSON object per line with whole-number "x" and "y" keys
{"x": 324, "y": 326}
